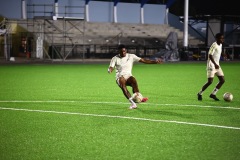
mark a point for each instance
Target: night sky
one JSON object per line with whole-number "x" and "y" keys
{"x": 207, "y": 7}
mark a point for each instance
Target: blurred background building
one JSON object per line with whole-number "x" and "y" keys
{"x": 84, "y": 29}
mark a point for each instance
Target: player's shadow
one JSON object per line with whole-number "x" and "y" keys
{"x": 165, "y": 113}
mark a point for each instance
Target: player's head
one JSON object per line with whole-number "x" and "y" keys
{"x": 122, "y": 50}
{"x": 121, "y": 46}
{"x": 219, "y": 37}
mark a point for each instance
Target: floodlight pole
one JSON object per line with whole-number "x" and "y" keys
{"x": 185, "y": 31}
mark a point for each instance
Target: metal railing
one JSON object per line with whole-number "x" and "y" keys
{"x": 48, "y": 10}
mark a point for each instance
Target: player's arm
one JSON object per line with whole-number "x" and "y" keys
{"x": 110, "y": 69}
{"x": 210, "y": 55}
{"x": 148, "y": 61}
{"x": 112, "y": 65}
{"x": 215, "y": 64}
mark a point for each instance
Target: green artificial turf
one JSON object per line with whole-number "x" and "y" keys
{"x": 77, "y": 111}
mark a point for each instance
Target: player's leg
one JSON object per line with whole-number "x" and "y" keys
{"x": 204, "y": 87}
{"x": 210, "y": 76}
{"x": 208, "y": 83}
{"x": 122, "y": 83}
{"x": 221, "y": 79}
{"x": 131, "y": 81}
{"x": 219, "y": 85}
{"x": 221, "y": 82}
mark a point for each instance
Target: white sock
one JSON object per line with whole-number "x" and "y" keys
{"x": 131, "y": 101}
{"x": 214, "y": 92}
{"x": 200, "y": 92}
{"x": 134, "y": 94}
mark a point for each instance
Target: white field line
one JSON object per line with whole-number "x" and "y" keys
{"x": 153, "y": 104}
{"x": 123, "y": 117}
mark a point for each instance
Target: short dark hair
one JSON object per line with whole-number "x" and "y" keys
{"x": 121, "y": 46}
{"x": 218, "y": 35}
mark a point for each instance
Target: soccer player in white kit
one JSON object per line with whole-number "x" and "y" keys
{"x": 213, "y": 67}
{"x": 123, "y": 63}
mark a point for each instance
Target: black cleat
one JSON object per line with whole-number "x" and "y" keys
{"x": 214, "y": 97}
{"x": 199, "y": 97}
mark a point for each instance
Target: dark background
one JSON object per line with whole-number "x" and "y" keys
{"x": 196, "y": 7}
{"x": 206, "y": 7}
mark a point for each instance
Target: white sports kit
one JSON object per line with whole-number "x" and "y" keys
{"x": 124, "y": 65}
{"x": 215, "y": 50}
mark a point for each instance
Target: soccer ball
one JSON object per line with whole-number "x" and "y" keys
{"x": 137, "y": 97}
{"x": 228, "y": 96}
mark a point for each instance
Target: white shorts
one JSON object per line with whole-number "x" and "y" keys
{"x": 126, "y": 76}
{"x": 213, "y": 72}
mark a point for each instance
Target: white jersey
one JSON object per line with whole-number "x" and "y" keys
{"x": 123, "y": 65}
{"x": 215, "y": 50}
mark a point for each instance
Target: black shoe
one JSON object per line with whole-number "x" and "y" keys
{"x": 199, "y": 97}
{"x": 214, "y": 97}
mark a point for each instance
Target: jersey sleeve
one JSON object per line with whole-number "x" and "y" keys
{"x": 212, "y": 49}
{"x": 112, "y": 62}
{"x": 135, "y": 58}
